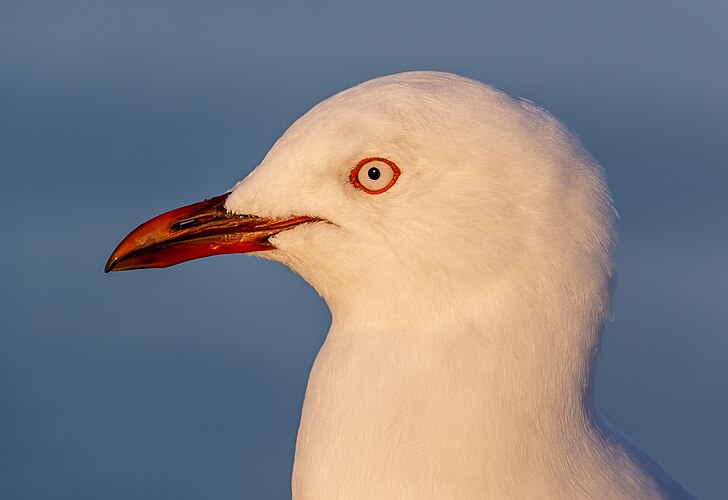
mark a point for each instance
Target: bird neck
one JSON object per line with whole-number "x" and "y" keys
{"x": 510, "y": 361}
{"x": 479, "y": 393}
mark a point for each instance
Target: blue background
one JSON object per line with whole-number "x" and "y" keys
{"x": 187, "y": 383}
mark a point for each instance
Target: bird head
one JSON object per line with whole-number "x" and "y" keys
{"x": 408, "y": 196}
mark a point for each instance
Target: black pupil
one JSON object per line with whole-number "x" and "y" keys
{"x": 374, "y": 173}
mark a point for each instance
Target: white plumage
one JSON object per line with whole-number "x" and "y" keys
{"x": 467, "y": 301}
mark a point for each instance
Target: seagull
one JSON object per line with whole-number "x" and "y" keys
{"x": 462, "y": 239}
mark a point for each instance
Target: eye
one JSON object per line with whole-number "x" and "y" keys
{"x": 374, "y": 175}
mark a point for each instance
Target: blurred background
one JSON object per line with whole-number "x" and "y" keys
{"x": 187, "y": 383}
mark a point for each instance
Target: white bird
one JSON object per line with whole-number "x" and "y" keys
{"x": 462, "y": 239}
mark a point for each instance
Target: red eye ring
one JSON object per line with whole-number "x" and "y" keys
{"x": 354, "y": 176}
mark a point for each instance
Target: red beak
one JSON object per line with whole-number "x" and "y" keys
{"x": 195, "y": 231}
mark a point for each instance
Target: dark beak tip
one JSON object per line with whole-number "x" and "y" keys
{"x": 110, "y": 264}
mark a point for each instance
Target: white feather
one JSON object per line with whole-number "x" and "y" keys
{"x": 467, "y": 300}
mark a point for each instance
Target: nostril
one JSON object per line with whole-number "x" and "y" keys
{"x": 186, "y": 224}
